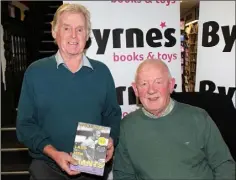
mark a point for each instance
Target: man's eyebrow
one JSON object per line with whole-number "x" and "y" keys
{"x": 80, "y": 26}
{"x": 64, "y": 24}
{"x": 141, "y": 80}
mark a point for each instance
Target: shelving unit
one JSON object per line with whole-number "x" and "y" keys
{"x": 183, "y": 56}
{"x": 190, "y": 58}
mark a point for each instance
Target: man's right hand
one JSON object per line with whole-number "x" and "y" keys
{"x": 62, "y": 159}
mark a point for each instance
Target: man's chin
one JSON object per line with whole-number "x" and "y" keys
{"x": 154, "y": 106}
{"x": 74, "y": 53}
{"x": 150, "y": 109}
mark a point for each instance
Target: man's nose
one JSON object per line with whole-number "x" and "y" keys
{"x": 151, "y": 90}
{"x": 73, "y": 33}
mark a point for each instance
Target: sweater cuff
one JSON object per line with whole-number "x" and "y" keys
{"x": 42, "y": 145}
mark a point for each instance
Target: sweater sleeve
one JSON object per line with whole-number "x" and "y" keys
{"x": 27, "y": 127}
{"x": 217, "y": 152}
{"x": 111, "y": 115}
{"x": 123, "y": 169}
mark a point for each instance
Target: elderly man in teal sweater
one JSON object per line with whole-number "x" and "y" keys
{"x": 62, "y": 90}
{"x": 168, "y": 140}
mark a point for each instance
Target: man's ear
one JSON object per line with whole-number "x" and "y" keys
{"x": 172, "y": 85}
{"x": 54, "y": 33}
{"x": 134, "y": 86}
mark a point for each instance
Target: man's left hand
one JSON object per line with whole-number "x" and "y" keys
{"x": 110, "y": 150}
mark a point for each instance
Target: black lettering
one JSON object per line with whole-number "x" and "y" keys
{"x": 204, "y": 84}
{"x": 206, "y": 33}
{"x": 231, "y": 91}
{"x": 119, "y": 94}
{"x": 152, "y": 36}
{"x": 132, "y": 97}
{"x": 101, "y": 42}
{"x": 168, "y": 35}
{"x": 228, "y": 37}
{"x": 130, "y": 37}
{"x": 116, "y": 37}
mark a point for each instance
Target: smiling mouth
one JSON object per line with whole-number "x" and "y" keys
{"x": 153, "y": 99}
{"x": 73, "y": 43}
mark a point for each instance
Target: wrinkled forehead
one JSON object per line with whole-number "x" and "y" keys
{"x": 151, "y": 72}
{"x": 72, "y": 18}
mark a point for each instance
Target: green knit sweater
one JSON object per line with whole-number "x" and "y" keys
{"x": 185, "y": 144}
{"x": 53, "y": 100}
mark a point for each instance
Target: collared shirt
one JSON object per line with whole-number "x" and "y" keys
{"x": 168, "y": 109}
{"x": 85, "y": 61}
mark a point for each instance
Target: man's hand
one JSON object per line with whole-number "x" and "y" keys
{"x": 62, "y": 159}
{"x": 110, "y": 150}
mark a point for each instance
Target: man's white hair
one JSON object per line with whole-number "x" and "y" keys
{"x": 152, "y": 61}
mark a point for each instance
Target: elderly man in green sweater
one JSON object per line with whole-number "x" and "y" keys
{"x": 166, "y": 139}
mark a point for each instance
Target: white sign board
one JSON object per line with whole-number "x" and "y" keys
{"x": 216, "y": 48}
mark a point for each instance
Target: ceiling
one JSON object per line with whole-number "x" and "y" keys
{"x": 186, "y": 5}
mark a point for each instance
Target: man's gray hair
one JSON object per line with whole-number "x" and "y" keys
{"x": 151, "y": 61}
{"x": 73, "y": 8}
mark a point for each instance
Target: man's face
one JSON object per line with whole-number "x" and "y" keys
{"x": 71, "y": 33}
{"x": 153, "y": 87}
{"x": 97, "y": 134}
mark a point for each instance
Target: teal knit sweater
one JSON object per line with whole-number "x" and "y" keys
{"x": 53, "y": 100}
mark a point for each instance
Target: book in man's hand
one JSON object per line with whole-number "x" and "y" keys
{"x": 90, "y": 148}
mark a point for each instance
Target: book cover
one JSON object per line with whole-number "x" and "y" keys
{"x": 90, "y": 148}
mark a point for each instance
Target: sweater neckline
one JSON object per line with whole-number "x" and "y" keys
{"x": 145, "y": 117}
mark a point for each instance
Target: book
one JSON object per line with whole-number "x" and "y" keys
{"x": 90, "y": 147}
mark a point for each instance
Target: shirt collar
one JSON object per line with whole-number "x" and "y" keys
{"x": 168, "y": 109}
{"x": 85, "y": 61}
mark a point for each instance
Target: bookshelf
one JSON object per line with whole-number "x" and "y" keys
{"x": 190, "y": 57}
